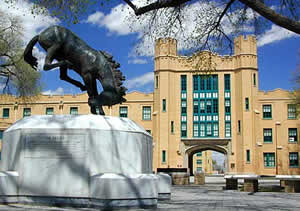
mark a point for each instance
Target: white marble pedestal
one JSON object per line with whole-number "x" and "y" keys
{"x": 80, "y": 160}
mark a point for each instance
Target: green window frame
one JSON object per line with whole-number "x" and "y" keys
{"x": 267, "y": 135}
{"x": 164, "y": 159}
{"x": 199, "y": 161}
{"x": 269, "y": 159}
{"x": 123, "y": 111}
{"x": 293, "y": 159}
{"x": 227, "y": 106}
{"x": 146, "y": 112}
{"x": 227, "y": 82}
{"x": 199, "y": 169}
{"x": 26, "y": 112}
{"x": 248, "y": 155}
{"x": 247, "y": 104}
{"x": 292, "y": 108}
{"x": 1, "y": 134}
{"x": 74, "y": 110}
{"x": 164, "y": 105}
{"x": 183, "y": 129}
{"x": 293, "y": 135}
{"x": 49, "y": 111}
{"x": 267, "y": 111}
{"x": 183, "y": 107}
{"x": 5, "y": 113}
{"x": 195, "y": 83}
{"x": 172, "y": 126}
{"x": 199, "y": 154}
{"x": 183, "y": 83}
{"x": 227, "y": 129}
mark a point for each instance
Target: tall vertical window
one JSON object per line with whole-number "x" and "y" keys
{"x": 269, "y": 159}
{"x": 248, "y": 155}
{"x": 239, "y": 126}
{"x": 183, "y": 129}
{"x": 123, "y": 111}
{"x": 196, "y": 130}
{"x": 247, "y": 104}
{"x": 74, "y": 110}
{"x": 49, "y": 111}
{"x": 164, "y": 159}
{"x": 292, "y": 111}
{"x": 183, "y": 82}
{"x": 195, "y": 83}
{"x": 172, "y": 126}
{"x": 1, "y": 134}
{"x": 254, "y": 79}
{"x": 293, "y": 136}
{"x": 227, "y": 106}
{"x": 267, "y": 111}
{"x": 227, "y": 82}
{"x": 26, "y": 112}
{"x": 294, "y": 160}
{"x": 156, "y": 81}
{"x": 183, "y": 107}
{"x": 146, "y": 112}
{"x": 164, "y": 105}
{"x": 5, "y": 113}
{"x": 267, "y": 135}
{"x": 227, "y": 129}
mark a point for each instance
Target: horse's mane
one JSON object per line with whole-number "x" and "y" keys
{"x": 117, "y": 74}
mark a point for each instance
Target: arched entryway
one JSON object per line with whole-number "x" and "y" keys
{"x": 191, "y": 151}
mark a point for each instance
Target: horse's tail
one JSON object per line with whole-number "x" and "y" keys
{"x": 28, "y": 57}
{"x": 117, "y": 75}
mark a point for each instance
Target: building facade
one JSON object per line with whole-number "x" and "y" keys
{"x": 192, "y": 113}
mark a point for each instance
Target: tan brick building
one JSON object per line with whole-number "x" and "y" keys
{"x": 191, "y": 113}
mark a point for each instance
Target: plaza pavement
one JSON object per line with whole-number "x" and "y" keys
{"x": 206, "y": 197}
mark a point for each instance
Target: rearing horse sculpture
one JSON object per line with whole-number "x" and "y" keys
{"x": 73, "y": 53}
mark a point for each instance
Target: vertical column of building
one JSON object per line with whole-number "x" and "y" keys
{"x": 183, "y": 123}
{"x": 227, "y": 102}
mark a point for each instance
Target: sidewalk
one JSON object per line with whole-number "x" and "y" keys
{"x": 206, "y": 197}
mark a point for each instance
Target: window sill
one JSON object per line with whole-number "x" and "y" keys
{"x": 295, "y": 142}
{"x": 293, "y": 167}
{"x": 267, "y": 118}
{"x": 270, "y": 167}
{"x": 268, "y": 142}
{"x": 292, "y": 118}
{"x": 147, "y": 119}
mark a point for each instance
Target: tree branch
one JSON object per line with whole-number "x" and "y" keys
{"x": 155, "y": 5}
{"x": 271, "y": 15}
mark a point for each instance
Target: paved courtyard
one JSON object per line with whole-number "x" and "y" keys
{"x": 206, "y": 197}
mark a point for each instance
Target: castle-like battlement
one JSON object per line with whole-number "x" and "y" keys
{"x": 166, "y": 47}
{"x": 245, "y": 45}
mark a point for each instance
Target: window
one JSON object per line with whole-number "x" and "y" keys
{"x": 267, "y": 111}
{"x": 164, "y": 105}
{"x": 49, "y": 111}
{"x": 269, "y": 159}
{"x": 183, "y": 107}
{"x": 294, "y": 161}
{"x": 146, "y": 112}
{"x": 247, "y": 104}
{"x": 5, "y": 113}
{"x": 164, "y": 156}
{"x": 293, "y": 135}
{"x": 156, "y": 81}
{"x": 202, "y": 82}
{"x": 215, "y": 82}
{"x": 26, "y": 112}
{"x": 199, "y": 169}
{"x": 199, "y": 154}
{"x": 183, "y": 83}
{"x": 199, "y": 161}
{"x": 1, "y": 134}
{"x": 215, "y": 106}
{"x": 227, "y": 106}
{"x": 227, "y": 129}
{"x": 254, "y": 79}
{"x": 123, "y": 110}
{"x": 208, "y": 106}
{"x": 267, "y": 135}
{"x": 196, "y": 107}
{"x": 74, "y": 110}
{"x": 183, "y": 129}
{"x": 248, "y": 155}
{"x": 208, "y": 129}
{"x": 196, "y": 130}
{"x": 216, "y": 129}
{"x": 202, "y": 106}
{"x": 195, "y": 83}
{"x": 292, "y": 111}
{"x": 202, "y": 129}
{"x": 227, "y": 82}
{"x": 172, "y": 126}
{"x": 149, "y": 131}
{"x": 239, "y": 126}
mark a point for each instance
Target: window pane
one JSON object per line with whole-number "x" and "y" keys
{"x": 123, "y": 111}
{"x": 49, "y": 111}
{"x": 291, "y": 111}
{"x": 293, "y": 135}
{"x": 164, "y": 105}
{"x": 267, "y": 134}
{"x": 5, "y": 113}
{"x": 74, "y": 110}
{"x": 294, "y": 162}
{"x": 26, "y": 112}
{"x": 267, "y": 111}
{"x": 183, "y": 83}
{"x": 146, "y": 112}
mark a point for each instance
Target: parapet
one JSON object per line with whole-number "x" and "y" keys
{"x": 165, "y": 47}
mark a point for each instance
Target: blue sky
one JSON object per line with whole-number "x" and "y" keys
{"x": 278, "y": 51}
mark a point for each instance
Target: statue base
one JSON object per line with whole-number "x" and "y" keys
{"x": 79, "y": 160}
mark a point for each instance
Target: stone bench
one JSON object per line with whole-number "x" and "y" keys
{"x": 180, "y": 178}
{"x": 250, "y": 182}
{"x": 199, "y": 178}
{"x": 291, "y": 183}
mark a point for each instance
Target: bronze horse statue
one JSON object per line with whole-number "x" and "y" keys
{"x": 73, "y": 53}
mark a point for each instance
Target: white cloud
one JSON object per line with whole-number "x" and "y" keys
{"x": 32, "y": 24}
{"x": 275, "y": 34}
{"x": 95, "y": 18}
{"x": 58, "y": 91}
{"x": 137, "y": 61}
{"x": 140, "y": 80}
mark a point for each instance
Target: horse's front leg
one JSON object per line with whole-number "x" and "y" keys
{"x": 64, "y": 76}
